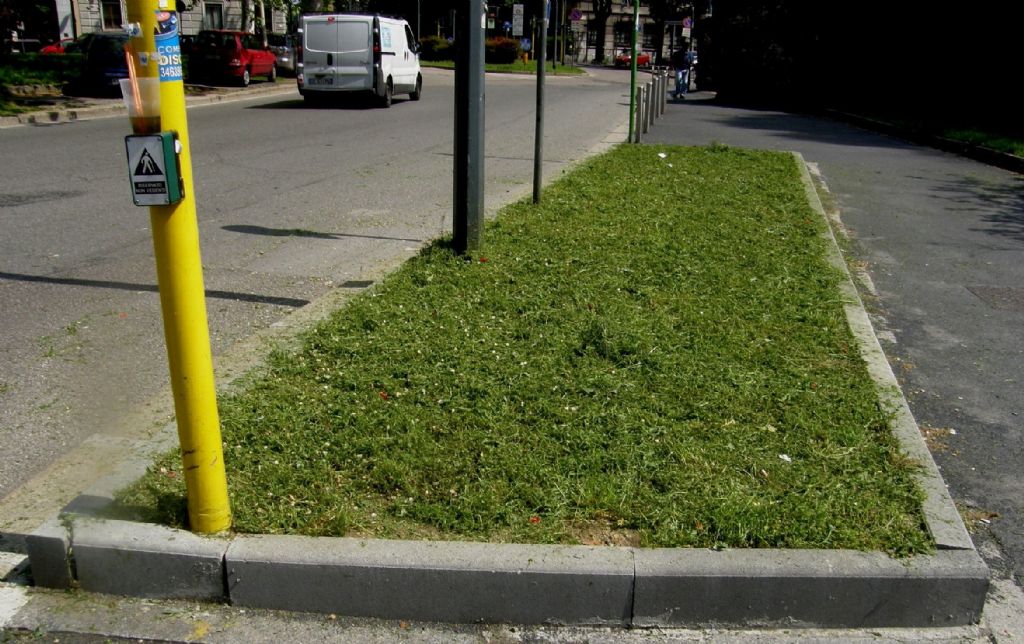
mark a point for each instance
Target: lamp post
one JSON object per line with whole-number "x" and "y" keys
{"x": 632, "y": 70}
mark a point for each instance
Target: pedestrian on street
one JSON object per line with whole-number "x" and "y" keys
{"x": 682, "y": 61}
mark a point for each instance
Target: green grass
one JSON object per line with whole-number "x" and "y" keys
{"x": 512, "y": 68}
{"x": 994, "y": 136}
{"x": 986, "y": 138}
{"x": 656, "y": 355}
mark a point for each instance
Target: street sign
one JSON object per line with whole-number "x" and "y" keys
{"x": 576, "y": 15}
{"x": 153, "y": 169}
{"x": 517, "y": 20}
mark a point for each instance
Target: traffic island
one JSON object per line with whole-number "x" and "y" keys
{"x": 940, "y": 581}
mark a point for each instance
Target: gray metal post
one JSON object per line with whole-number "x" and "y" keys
{"x": 468, "y": 210}
{"x": 664, "y": 91}
{"x": 647, "y": 107}
{"x": 538, "y": 139}
{"x": 660, "y": 92}
{"x": 652, "y": 102}
{"x": 643, "y": 109}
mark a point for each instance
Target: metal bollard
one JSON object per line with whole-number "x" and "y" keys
{"x": 635, "y": 134}
{"x": 644, "y": 97}
{"x": 664, "y": 90}
{"x": 655, "y": 93}
{"x": 661, "y": 92}
{"x": 650, "y": 104}
{"x": 641, "y": 122}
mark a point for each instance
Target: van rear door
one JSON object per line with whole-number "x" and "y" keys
{"x": 337, "y": 54}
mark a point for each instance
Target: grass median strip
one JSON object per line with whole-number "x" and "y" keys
{"x": 657, "y": 355}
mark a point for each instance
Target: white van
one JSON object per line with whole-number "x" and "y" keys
{"x": 358, "y": 53}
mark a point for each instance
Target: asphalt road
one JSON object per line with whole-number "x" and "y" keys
{"x": 294, "y": 203}
{"x": 942, "y": 240}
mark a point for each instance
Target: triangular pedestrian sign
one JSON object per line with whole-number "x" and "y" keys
{"x": 153, "y": 165}
{"x": 147, "y": 166}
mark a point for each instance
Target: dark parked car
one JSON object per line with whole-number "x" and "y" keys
{"x": 103, "y": 62}
{"x": 283, "y": 46}
{"x": 232, "y": 55}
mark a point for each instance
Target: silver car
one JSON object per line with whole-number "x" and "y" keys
{"x": 283, "y": 46}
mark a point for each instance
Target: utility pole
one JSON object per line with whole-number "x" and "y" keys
{"x": 632, "y": 72}
{"x": 538, "y": 140}
{"x": 180, "y": 272}
{"x": 468, "y": 202}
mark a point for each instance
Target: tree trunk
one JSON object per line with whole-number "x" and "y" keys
{"x": 602, "y": 11}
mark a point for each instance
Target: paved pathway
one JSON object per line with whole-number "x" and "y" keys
{"x": 942, "y": 240}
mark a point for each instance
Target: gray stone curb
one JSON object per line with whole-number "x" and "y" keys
{"x": 115, "y": 108}
{"x": 145, "y": 560}
{"x": 579, "y": 585}
{"x": 433, "y": 581}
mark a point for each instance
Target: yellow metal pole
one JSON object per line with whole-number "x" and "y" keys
{"x": 180, "y": 277}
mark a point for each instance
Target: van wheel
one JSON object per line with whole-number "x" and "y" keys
{"x": 245, "y": 77}
{"x": 389, "y": 92}
{"x": 272, "y": 76}
{"x": 418, "y": 92}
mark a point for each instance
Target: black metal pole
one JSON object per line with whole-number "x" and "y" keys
{"x": 538, "y": 141}
{"x": 468, "y": 208}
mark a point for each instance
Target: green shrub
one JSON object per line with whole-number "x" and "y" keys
{"x": 436, "y": 48}
{"x": 39, "y": 69}
{"x": 501, "y": 51}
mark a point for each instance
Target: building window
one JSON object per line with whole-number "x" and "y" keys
{"x": 648, "y": 41}
{"x": 213, "y": 16}
{"x": 624, "y": 33}
{"x": 111, "y": 14}
{"x": 591, "y": 36}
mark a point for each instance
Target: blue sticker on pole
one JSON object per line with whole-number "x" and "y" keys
{"x": 168, "y": 46}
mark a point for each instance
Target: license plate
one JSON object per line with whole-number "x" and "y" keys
{"x": 322, "y": 80}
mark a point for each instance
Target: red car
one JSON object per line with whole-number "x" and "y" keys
{"x": 233, "y": 55}
{"x": 57, "y": 47}
{"x": 625, "y": 59}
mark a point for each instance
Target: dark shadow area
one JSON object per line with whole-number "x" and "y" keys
{"x": 42, "y": 196}
{"x": 298, "y": 232}
{"x": 169, "y": 509}
{"x": 998, "y": 206}
{"x": 15, "y": 543}
{"x": 150, "y": 288}
{"x": 343, "y": 101}
{"x": 796, "y": 125}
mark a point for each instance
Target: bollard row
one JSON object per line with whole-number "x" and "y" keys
{"x": 651, "y": 102}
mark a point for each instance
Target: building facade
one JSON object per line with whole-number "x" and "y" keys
{"x": 77, "y": 17}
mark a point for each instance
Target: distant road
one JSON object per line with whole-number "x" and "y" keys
{"x": 293, "y": 202}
